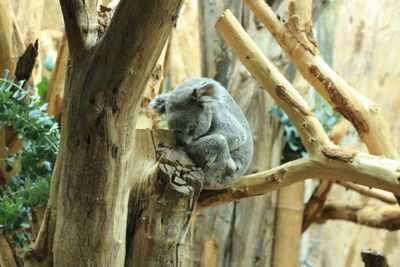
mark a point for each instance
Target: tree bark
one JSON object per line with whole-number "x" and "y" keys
{"x": 162, "y": 203}
{"x": 107, "y": 81}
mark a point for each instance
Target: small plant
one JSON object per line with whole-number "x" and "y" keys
{"x": 294, "y": 148}
{"x": 26, "y": 115}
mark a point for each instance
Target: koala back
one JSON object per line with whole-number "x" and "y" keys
{"x": 201, "y": 107}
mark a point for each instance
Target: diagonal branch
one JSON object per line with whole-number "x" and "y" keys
{"x": 124, "y": 36}
{"x": 370, "y": 192}
{"x": 298, "y": 42}
{"x": 285, "y": 95}
{"x": 326, "y": 159}
{"x": 80, "y": 18}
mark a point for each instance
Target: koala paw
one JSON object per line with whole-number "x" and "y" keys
{"x": 231, "y": 166}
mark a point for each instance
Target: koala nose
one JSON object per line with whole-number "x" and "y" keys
{"x": 180, "y": 138}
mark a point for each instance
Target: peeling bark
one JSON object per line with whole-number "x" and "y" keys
{"x": 162, "y": 214}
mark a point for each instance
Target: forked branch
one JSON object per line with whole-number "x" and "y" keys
{"x": 326, "y": 159}
{"x": 80, "y": 19}
{"x": 296, "y": 39}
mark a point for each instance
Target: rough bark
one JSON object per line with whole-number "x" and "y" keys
{"x": 107, "y": 81}
{"x": 163, "y": 207}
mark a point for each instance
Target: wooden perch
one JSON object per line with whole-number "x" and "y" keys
{"x": 386, "y": 217}
{"x": 326, "y": 160}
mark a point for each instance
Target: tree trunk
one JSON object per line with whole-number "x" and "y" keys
{"x": 106, "y": 83}
{"x": 162, "y": 203}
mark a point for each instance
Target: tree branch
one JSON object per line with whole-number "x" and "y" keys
{"x": 299, "y": 44}
{"x": 309, "y": 128}
{"x": 386, "y": 217}
{"x": 361, "y": 168}
{"x": 317, "y": 200}
{"x": 124, "y": 36}
{"x": 370, "y": 192}
{"x": 316, "y": 203}
{"x": 326, "y": 159}
{"x": 80, "y": 18}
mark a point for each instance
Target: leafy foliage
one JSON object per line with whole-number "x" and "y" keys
{"x": 25, "y": 113}
{"x": 294, "y": 148}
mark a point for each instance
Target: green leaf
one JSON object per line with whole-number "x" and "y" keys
{"x": 43, "y": 86}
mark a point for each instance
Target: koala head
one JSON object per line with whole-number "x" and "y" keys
{"x": 188, "y": 109}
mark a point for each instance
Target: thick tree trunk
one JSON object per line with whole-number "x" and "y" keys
{"x": 105, "y": 88}
{"x": 162, "y": 202}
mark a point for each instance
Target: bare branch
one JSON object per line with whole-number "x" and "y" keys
{"x": 310, "y": 130}
{"x": 316, "y": 203}
{"x": 387, "y": 217}
{"x": 81, "y": 25}
{"x": 326, "y": 159}
{"x": 370, "y": 192}
{"x": 298, "y": 42}
{"x": 260, "y": 183}
{"x": 317, "y": 200}
{"x": 360, "y": 168}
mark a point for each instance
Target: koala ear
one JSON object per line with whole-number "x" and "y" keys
{"x": 205, "y": 94}
{"x": 158, "y": 103}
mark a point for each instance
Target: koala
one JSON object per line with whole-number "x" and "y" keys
{"x": 211, "y": 128}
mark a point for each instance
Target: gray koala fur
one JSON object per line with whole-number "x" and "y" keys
{"x": 211, "y": 128}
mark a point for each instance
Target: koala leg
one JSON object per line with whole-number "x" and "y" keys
{"x": 212, "y": 154}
